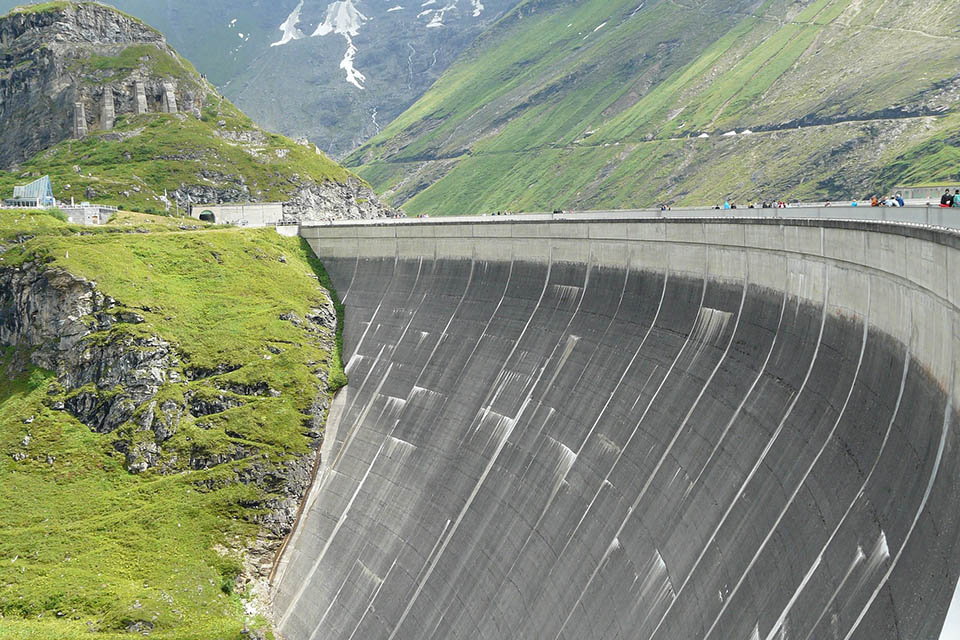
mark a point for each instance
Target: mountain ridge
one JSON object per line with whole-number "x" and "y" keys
{"x": 621, "y": 105}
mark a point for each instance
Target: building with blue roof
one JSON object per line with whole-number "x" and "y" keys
{"x": 36, "y": 195}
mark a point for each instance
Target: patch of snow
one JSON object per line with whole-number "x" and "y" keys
{"x": 600, "y": 27}
{"x": 233, "y": 22}
{"x": 424, "y": 13}
{"x": 477, "y": 8}
{"x": 342, "y": 18}
{"x": 438, "y": 15}
{"x": 240, "y": 33}
{"x": 396, "y": 8}
{"x": 729, "y": 134}
{"x": 428, "y": 3}
{"x": 354, "y": 77}
{"x": 746, "y": 132}
{"x": 289, "y": 27}
{"x": 704, "y": 135}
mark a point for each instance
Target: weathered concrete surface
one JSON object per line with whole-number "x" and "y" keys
{"x": 641, "y": 429}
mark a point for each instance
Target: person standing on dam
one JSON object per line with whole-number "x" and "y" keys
{"x": 946, "y": 200}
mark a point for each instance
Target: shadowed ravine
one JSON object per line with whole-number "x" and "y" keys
{"x": 635, "y": 430}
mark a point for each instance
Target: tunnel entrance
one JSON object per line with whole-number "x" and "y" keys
{"x": 207, "y": 216}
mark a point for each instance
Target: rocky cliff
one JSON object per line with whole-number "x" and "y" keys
{"x": 100, "y": 102}
{"x": 67, "y": 71}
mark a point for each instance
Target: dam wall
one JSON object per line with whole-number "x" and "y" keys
{"x": 638, "y": 428}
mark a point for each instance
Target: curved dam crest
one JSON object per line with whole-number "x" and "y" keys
{"x": 636, "y": 429}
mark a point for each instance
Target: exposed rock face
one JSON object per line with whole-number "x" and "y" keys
{"x": 351, "y": 200}
{"x": 111, "y": 375}
{"x": 55, "y": 315}
{"x": 45, "y": 72}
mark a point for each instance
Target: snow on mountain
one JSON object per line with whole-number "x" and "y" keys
{"x": 289, "y": 27}
{"x": 343, "y": 18}
{"x": 437, "y": 15}
{"x": 354, "y": 77}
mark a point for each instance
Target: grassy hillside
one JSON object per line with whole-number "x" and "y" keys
{"x": 605, "y": 103}
{"x": 149, "y": 156}
{"x": 86, "y": 545}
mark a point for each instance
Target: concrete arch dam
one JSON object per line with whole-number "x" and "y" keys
{"x": 636, "y": 429}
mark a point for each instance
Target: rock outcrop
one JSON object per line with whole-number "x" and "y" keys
{"x": 88, "y": 54}
{"x": 111, "y": 368}
{"x": 106, "y": 370}
{"x": 350, "y": 200}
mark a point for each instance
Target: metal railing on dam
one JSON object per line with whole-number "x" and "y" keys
{"x": 636, "y": 428}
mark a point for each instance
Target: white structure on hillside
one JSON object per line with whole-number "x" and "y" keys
{"x": 88, "y": 214}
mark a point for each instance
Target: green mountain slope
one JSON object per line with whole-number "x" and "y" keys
{"x": 157, "y": 520}
{"x": 149, "y": 162}
{"x": 614, "y": 103}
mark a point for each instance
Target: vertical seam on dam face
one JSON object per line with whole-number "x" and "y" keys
{"x": 648, "y": 430}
